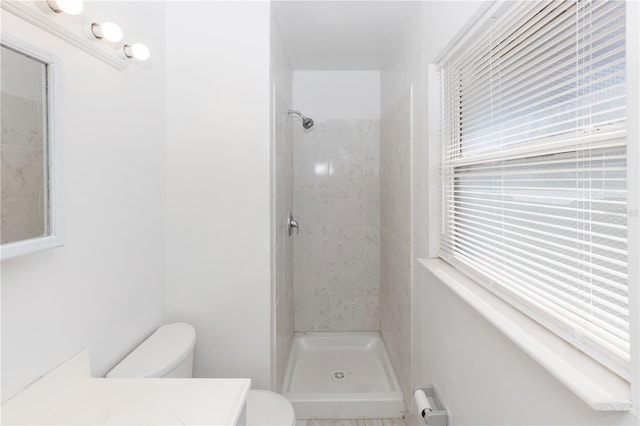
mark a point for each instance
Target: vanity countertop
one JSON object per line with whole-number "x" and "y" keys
{"x": 69, "y": 395}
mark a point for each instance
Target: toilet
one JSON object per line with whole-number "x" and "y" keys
{"x": 169, "y": 353}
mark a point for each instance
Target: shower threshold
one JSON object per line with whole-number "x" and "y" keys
{"x": 341, "y": 375}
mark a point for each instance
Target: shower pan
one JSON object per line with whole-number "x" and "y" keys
{"x": 341, "y": 375}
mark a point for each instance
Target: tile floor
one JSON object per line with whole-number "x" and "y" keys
{"x": 366, "y": 422}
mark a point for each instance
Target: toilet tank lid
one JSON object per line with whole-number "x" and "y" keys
{"x": 160, "y": 353}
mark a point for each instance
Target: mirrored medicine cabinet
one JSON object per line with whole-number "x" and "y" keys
{"x": 30, "y": 149}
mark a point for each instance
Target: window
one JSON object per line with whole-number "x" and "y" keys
{"x": 534, "y": 168}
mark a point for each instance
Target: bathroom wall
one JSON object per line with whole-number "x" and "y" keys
{"x": 282, "y": 198}
{"x": 484, "y": 378}
{"x": 219, "y": 184}
{"x": 104, "y": 290}
{"x": 402, "y": 112}
{"x": 395, "y": 235}
{"x": 337, "y": 201}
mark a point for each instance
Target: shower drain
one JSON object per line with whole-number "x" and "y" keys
{"x": 338, "y": 375}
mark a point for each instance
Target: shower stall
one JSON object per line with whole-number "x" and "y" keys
{"x": 341, "y": 205}
{"x": 338, "y": 365}
{"x": 339, "y": 268}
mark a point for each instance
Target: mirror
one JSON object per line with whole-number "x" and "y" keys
{"x": 29, "y": 216}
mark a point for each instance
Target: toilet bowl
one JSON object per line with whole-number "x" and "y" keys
{"x": 169, "y": 353}
{"x": 269, "y": 409}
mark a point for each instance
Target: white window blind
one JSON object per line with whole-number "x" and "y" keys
{"x": 534, "y": 168}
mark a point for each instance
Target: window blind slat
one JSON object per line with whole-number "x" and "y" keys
{"x": 542, "y": 283}
{"x": 543, "y": 232}
{"x": 477, "y": 53}
{"x": 549, "y": 243}
{"x": 549, "y": 160}
{"x": 542, "y": 105}
{"x": 612, "y": 138}
{"x": 467, "y": 233}
{"x": 558, "y": 50}
{"x": 555, "y": 62}
{"x": 565, "y": 323}
{"x": 552, "y": 59}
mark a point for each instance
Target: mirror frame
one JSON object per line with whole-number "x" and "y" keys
{"x": 55, "y": 237}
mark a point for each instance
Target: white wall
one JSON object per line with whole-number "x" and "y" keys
{"x": 403, "y": 94}
{"x": 105, "y": 288}
{"x": 218, "y": 183}
{"x": 485, "y": 379}
{"x": 345, "y": 95}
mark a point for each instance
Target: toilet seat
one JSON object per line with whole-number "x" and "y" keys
{"x": 269, "y": 409}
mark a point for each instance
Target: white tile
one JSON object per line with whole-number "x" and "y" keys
{"x": 311, "y": 207}
{"x": 312, "y": 277}
{"x": 337, "y": 253}
{"x": 350, "y": 243}
{"x": 284, "y": 334}
{"x": 357, "y": 313}
{"x": 311, "y": 313}
{"x": 312, "y": 242}
{"x": 310, "y": 172}
{"x": 388, "y": 211}
{"x": 354, "y": 208}
{"x": 342, "y": 137}
{"x": 312, "y": 141}
{"x": 353, "y": 173}
{"x": 403, "y": 153}
{"x": 354, "y": 279}
{"x": 404, "y": 117}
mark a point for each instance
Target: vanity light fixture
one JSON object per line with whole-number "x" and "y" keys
{"x": 70, "y": 7}
{"x": 136, "y": 51}
{"x": 108, "y": 30}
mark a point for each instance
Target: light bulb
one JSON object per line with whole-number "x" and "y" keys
{"x": 108, "y": 30}
{"x": 138, "y": 51}
{"x": 70, "y": 7}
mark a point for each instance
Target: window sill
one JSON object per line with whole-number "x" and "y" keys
{"x": 597, "y": 386}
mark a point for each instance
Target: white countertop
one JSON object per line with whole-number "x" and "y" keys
{"x": 68, "y": 395}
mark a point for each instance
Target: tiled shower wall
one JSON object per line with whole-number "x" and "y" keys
{"x": 395, "y": 235}
{"x": 337, "y": 204}
{"x": 23, "y": 197}
{"x": 283, "y": 242}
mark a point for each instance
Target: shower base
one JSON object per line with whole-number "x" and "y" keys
{"x": 341, "y": 375}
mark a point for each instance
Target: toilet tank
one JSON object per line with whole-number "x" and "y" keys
{"x": 168, "y": 352}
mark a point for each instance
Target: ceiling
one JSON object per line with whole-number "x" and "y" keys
{"x": 341, "y": 35}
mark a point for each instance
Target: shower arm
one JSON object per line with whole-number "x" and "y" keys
{"x": 307, "y": 123}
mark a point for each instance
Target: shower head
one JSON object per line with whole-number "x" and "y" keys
{"x": 307, "y": 123}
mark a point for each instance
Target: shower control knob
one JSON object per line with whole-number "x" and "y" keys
{"x": 292, "y": 224}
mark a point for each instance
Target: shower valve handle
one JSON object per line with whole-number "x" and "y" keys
{"x": 292, "y": 223}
